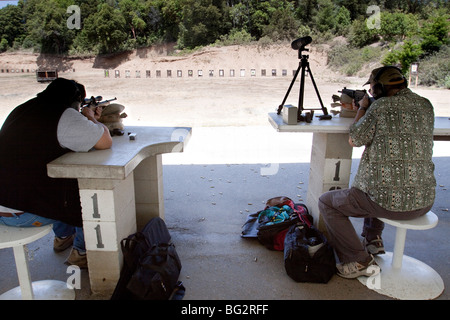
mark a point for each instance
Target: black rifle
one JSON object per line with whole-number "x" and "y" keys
{"x": 356, "y": 95}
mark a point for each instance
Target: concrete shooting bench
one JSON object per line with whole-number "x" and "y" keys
{"x": 121, "y": 189}
{"x": 330, "y": 168}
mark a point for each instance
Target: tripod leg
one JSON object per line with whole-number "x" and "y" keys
{"x": 317, "y": 91}
{"x": 303, "y": 64}
{"x": 289, "y": 90}
{"x": 302, "y": 88}
{"x": 325, "y": 115}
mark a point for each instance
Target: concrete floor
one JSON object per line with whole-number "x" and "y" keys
{"x": 208, "y": 195}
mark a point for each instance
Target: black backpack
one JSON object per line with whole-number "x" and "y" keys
{"x": 307, "y": 255}
{"x": 151, "y": 266}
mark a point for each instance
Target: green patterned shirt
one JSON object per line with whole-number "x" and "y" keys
{"x": 396, "y": 168}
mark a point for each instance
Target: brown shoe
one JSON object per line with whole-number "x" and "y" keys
{"x": 61, "y": 244}
{"x": 77, "y": 259}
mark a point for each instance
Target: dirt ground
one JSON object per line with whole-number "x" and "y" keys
{"x": 214, "y": 99}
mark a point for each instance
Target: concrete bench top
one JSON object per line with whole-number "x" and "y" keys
{"x": 124, "y": 155}
{"x": 341, "y": 125}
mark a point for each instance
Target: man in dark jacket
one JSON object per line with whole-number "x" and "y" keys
{"x": 35, "y": 133}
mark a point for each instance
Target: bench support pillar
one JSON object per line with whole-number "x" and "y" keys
{"x": 331, "y": 161}
{"x": 109, "y": 215}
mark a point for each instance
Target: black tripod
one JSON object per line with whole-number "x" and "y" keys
{"x": 304, "y": 66}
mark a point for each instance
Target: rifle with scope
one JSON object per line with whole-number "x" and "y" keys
{"x": 94, "y": 102}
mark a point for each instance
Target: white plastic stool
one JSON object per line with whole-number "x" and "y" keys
{"x": 18, "y": 238}
{"x": 403, "y": 277}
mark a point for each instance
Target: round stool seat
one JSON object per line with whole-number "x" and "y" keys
{"x": 403, "y": 277}
{"x": 12, "y": 236}
{"x": 18, "y": 238}
{"x": 427, "y": 221}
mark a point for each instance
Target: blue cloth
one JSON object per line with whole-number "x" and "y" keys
{"x": 274, "y": 215}
{"x": 61, "y": 229}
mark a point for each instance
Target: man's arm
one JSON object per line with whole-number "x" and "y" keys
{"x": 105, "y": 142}
{"x": 360, "y": 131}
{"x": 80, "y": 134}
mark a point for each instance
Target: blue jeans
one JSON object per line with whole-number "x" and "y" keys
{"x": 60, "y": 229}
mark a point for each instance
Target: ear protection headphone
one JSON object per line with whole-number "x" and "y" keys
{"x": 379, "y": 86}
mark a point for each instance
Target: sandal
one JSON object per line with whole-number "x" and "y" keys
{"x": 374, "y": 246}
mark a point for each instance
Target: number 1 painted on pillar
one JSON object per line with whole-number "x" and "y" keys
{"x": 336, "y": 173}
{"x": 100, "y": 244}
{"x": 96, "y": 215}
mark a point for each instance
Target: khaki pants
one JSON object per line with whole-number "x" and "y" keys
{"x": 337, "y": 206}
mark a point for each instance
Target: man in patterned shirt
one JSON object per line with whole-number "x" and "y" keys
{"x": 395, "y": 178}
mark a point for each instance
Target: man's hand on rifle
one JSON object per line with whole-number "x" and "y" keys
{"x": 92, "y": 114}
{"x": 364, "y": 103}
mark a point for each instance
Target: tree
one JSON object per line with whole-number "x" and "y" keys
{"x": 357, "y": 8}
{"x": 306, "y": 10}
{"x": 112, "y": 25}
{"x": 3, "y": 45}
{"x": 47, "y": 25}
{"x": 105, "y": 30}
{"x": 282, "y": 24}
{"x": 343, "y": 21}
{"x": 435, "y": 34}
{"x": 240, "y": 16}
{"x": 360, "y": 35}
{"x": 325, "y": 20}
{"x": 409, "y": 53}
{"x": 201, "y": 24}
{"x": 133, "y": 12}
{"x": 11, "y": 25}
{"x": 397, "y": 26}
{"x": 171, "y": 13}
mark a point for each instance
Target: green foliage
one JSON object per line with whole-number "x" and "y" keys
{"x": 103, "y": 32}
{"x": 47, "y": 26}
{"x": 201, "y": 23}
{"x": 434, "y": 70}
{"x": 325, "y": 18}
{"x": 282, "y": 23}
{"x": 407, "y": 54}
{"x": 11, "y": 26}
{"x": 349, "y": 60}
{"x": 360, "y": 35}
{"x": 235, "y": 37}
{"x": 42, "y": 23}
{"x": 396, "y": 26}
{"x": 3, "y": 45}
{"x": 343, "y": 21}
{"x": 435, "y": 33}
